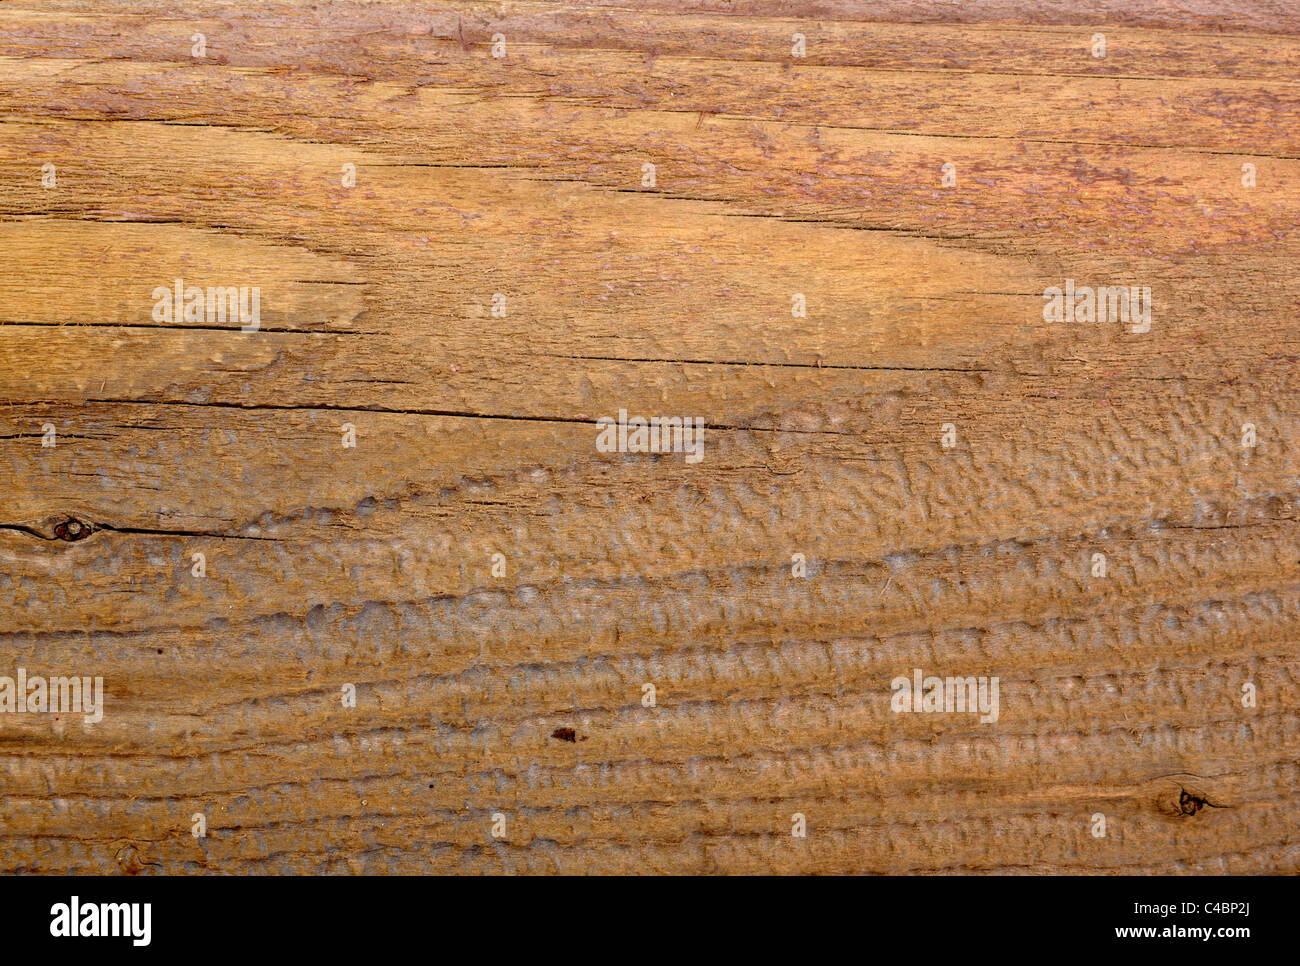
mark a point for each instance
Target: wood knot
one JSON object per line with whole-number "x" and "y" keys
{"x": 73, "y": 529}
{"x": 565, "y": 734}
{"x": 1181, "y": 796}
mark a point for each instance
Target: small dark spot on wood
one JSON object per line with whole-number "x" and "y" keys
{"x": 1190, "y": 804}
{"x": 565, "y": 734}
{"x": 160, "y": 650}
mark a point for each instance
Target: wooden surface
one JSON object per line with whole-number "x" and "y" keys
{"x": 475, "y": 434}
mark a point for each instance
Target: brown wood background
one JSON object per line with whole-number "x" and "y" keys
{"x": 475, "y": 435}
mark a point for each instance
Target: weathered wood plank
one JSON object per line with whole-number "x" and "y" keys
{"x": 774, "y": 176}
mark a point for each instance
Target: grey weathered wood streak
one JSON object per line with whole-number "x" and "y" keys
{"x": 475, "y": 435}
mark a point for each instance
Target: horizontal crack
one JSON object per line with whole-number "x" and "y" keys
{"x": 72, "y": 530}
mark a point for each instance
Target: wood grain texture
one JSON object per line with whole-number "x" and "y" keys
{"x": 775, "y": 175}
